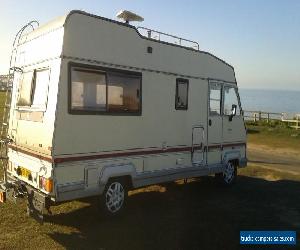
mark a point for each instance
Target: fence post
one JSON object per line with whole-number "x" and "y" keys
{"x": 268, "y": 119}
{"x": 259, "y": 115}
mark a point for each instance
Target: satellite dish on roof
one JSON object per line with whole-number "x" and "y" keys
{"x": 128, "y": 16}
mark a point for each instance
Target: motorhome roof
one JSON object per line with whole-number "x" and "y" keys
{"x": 62, "y": 20}
{"x": 56, "y": 23}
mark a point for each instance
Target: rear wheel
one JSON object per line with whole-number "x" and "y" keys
{"x": 114, "y": 197}
{"x": 228, "y": 177}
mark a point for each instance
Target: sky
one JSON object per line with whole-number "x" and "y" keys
{"x": 261, "y": 39}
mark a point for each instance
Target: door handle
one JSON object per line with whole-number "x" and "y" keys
{"x": 209, "y": 122}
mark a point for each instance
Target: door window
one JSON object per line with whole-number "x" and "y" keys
{"x": 215, "y": 99}
{"x": 231, "y": 100}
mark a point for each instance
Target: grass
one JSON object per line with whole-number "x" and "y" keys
{"x": 276, "y": 135}
{"x": 2, "y": 98}
{"x": 199, "y": 214}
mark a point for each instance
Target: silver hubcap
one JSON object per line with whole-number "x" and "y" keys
{"x": 114, "y": 197}
{"x": 228, "y": 172}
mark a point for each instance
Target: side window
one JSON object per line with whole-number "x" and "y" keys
{"x": 33, "y": 90}
{"x": 123, "y": 93}
{"x": 88, "y": 90}
{"x": 41, "y": 85}
{"x": 25, "y": 89}
{"x": 182, "y": 92}
{"x": 215, "y": 98}
{"x": 105, "y": 90}
{"x": 230, "y": 99}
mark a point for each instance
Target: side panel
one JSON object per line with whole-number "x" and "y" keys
{"x": 85, "y": 178}
{"x": 159, "y": 127}
{"x": 167, "y": 161}
{"x": 81, "y": 184}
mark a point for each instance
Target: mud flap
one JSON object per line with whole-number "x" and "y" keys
{"x": 37, "y": 203}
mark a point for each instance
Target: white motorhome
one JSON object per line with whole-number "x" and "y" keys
{"x": 98, "y": 108}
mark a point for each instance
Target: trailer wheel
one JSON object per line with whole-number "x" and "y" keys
{"x": 228, "y": 176}
{"x": 114, "y": 196}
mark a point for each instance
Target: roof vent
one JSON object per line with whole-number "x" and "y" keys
{"x": 128, "y": 16}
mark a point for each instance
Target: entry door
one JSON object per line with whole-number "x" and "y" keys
{"x": 215, "y": 120}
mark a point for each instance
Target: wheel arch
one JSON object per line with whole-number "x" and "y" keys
{"x": 232, "y": 156}
{"x": 125, "y": 172}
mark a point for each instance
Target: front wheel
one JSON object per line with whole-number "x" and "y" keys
{"x": 114, "y": 197}
{"x": 228, "y": 177}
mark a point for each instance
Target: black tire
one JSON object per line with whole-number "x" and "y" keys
{"x": 229, "y": 176}
{"x": 114, "y": 197}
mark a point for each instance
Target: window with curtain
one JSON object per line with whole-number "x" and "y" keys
{"x": 105, "y": 90}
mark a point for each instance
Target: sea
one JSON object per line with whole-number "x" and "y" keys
{"x": 277, "y": 101}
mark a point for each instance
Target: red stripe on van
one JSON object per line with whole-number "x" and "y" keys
{"x": 123, "y": 154}
{"x": 119, "y": 154}
{"x": 141, "y": 152}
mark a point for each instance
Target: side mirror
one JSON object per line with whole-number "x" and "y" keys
{"x": 233, "y": 112}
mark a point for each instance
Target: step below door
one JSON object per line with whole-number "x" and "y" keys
{"x": 198, "y": 136}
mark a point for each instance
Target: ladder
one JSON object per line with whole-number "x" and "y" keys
{"x": 4, "y": 138}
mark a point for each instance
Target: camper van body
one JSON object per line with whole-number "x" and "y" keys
{"x": 96, "y": 101}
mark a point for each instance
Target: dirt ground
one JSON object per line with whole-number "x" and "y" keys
{"x": 285, "y": 160}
